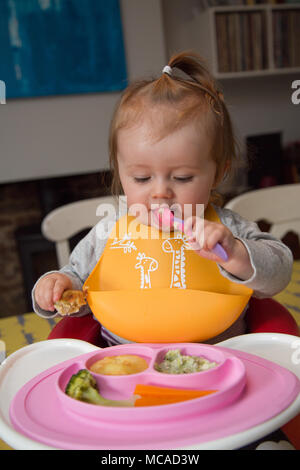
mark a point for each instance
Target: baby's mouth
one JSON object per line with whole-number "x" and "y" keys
{"x": 158, "y": 219}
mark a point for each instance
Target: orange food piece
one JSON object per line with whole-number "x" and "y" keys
{"x": 152, "y": 395}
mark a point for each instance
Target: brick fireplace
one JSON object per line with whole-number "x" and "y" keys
{"x": 24, "y": 253}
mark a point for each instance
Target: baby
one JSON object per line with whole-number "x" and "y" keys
{"x": 172, "y": 143}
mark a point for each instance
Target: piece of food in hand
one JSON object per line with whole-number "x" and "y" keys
{"x": 70, "y": 302}
{"x": 119, "y": 365}
{"x": 83, "y": 387}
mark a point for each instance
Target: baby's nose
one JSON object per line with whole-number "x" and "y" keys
{"x": 162, "y": 191}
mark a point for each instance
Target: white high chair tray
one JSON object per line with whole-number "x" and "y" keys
{"x": 31, "y": 360}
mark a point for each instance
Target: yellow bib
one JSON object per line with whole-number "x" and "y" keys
{"x": 149, "y": 286}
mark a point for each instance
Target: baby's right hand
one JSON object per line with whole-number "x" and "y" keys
{"x": 50, "y": 288}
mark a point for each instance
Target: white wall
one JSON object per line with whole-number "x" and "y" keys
{"x": 63, "y": 135}
{"x": 257, "y": 105}
{"x": 263, "y": 104}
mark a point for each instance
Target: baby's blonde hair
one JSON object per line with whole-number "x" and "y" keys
{"x": 194, "y": 97}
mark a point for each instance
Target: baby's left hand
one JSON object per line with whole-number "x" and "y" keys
{"x": 204, "y": 236}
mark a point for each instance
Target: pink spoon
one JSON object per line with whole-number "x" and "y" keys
{"x": 167, "y": 218}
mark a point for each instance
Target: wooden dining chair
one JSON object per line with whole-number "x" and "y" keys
{"x": 278, "y": 208}
{"x": 61, "y": 224}
{"x": 279, "y": 205}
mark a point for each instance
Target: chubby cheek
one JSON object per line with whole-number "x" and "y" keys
{"x": 136, "y": 203}
{"x": 135, "y": 197}
{"x": 195, "y": 198}
{"x": 130, "y": 190}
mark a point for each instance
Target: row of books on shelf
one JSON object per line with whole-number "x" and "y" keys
{"x": 286, "y": 38}
{"x": 241, "y": 41}
{"x": 217, "y": 3}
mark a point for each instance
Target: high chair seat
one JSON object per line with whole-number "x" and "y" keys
{"x": 269, "y": 316}
{"x": 85, "y": 328}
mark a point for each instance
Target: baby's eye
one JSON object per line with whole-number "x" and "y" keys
{"x": 141, "y": 179}
{"x": 183, "y": 179}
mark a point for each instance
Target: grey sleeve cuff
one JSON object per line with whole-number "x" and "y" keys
{"x": 82, "y": 261}
{"x": 267, "y": 279}
{"x": 36, "y": 308}
{"x": 76, "y": 285}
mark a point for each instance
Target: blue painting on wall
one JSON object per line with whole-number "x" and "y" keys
{"x": 56, "y": 47}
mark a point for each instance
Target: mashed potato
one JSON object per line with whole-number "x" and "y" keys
{"x": 119, "y": 365}
{"x": 175, "y": 363}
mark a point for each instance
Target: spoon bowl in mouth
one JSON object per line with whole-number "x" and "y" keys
{"x": 167, "y": 220}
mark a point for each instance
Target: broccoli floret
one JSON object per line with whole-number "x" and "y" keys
{"x": 82, "y": 386}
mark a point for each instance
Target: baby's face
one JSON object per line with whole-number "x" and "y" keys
{"x": 173, "y": 171}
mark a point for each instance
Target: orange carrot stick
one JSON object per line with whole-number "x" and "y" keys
{"x": 152, "y": 395}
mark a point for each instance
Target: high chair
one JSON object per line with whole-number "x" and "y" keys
{"x": 279, "y": 205}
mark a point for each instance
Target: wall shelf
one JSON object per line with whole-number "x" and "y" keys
{"x": 251, "y": 40}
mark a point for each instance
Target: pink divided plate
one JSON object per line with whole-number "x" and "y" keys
{"x": 251, "y": 390}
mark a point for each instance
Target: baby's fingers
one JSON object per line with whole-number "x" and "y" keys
{"x": 44, "y": 294}
{"x": 194, "y": 229}
{"x": 58, "y": 290}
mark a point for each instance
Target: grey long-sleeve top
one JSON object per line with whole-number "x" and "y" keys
{"x": 270, "y": 258}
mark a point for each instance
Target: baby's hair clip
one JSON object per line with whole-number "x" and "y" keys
{"x": 168, "y": 70}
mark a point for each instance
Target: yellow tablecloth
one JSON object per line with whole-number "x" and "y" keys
{"x": 21, "y": 330}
